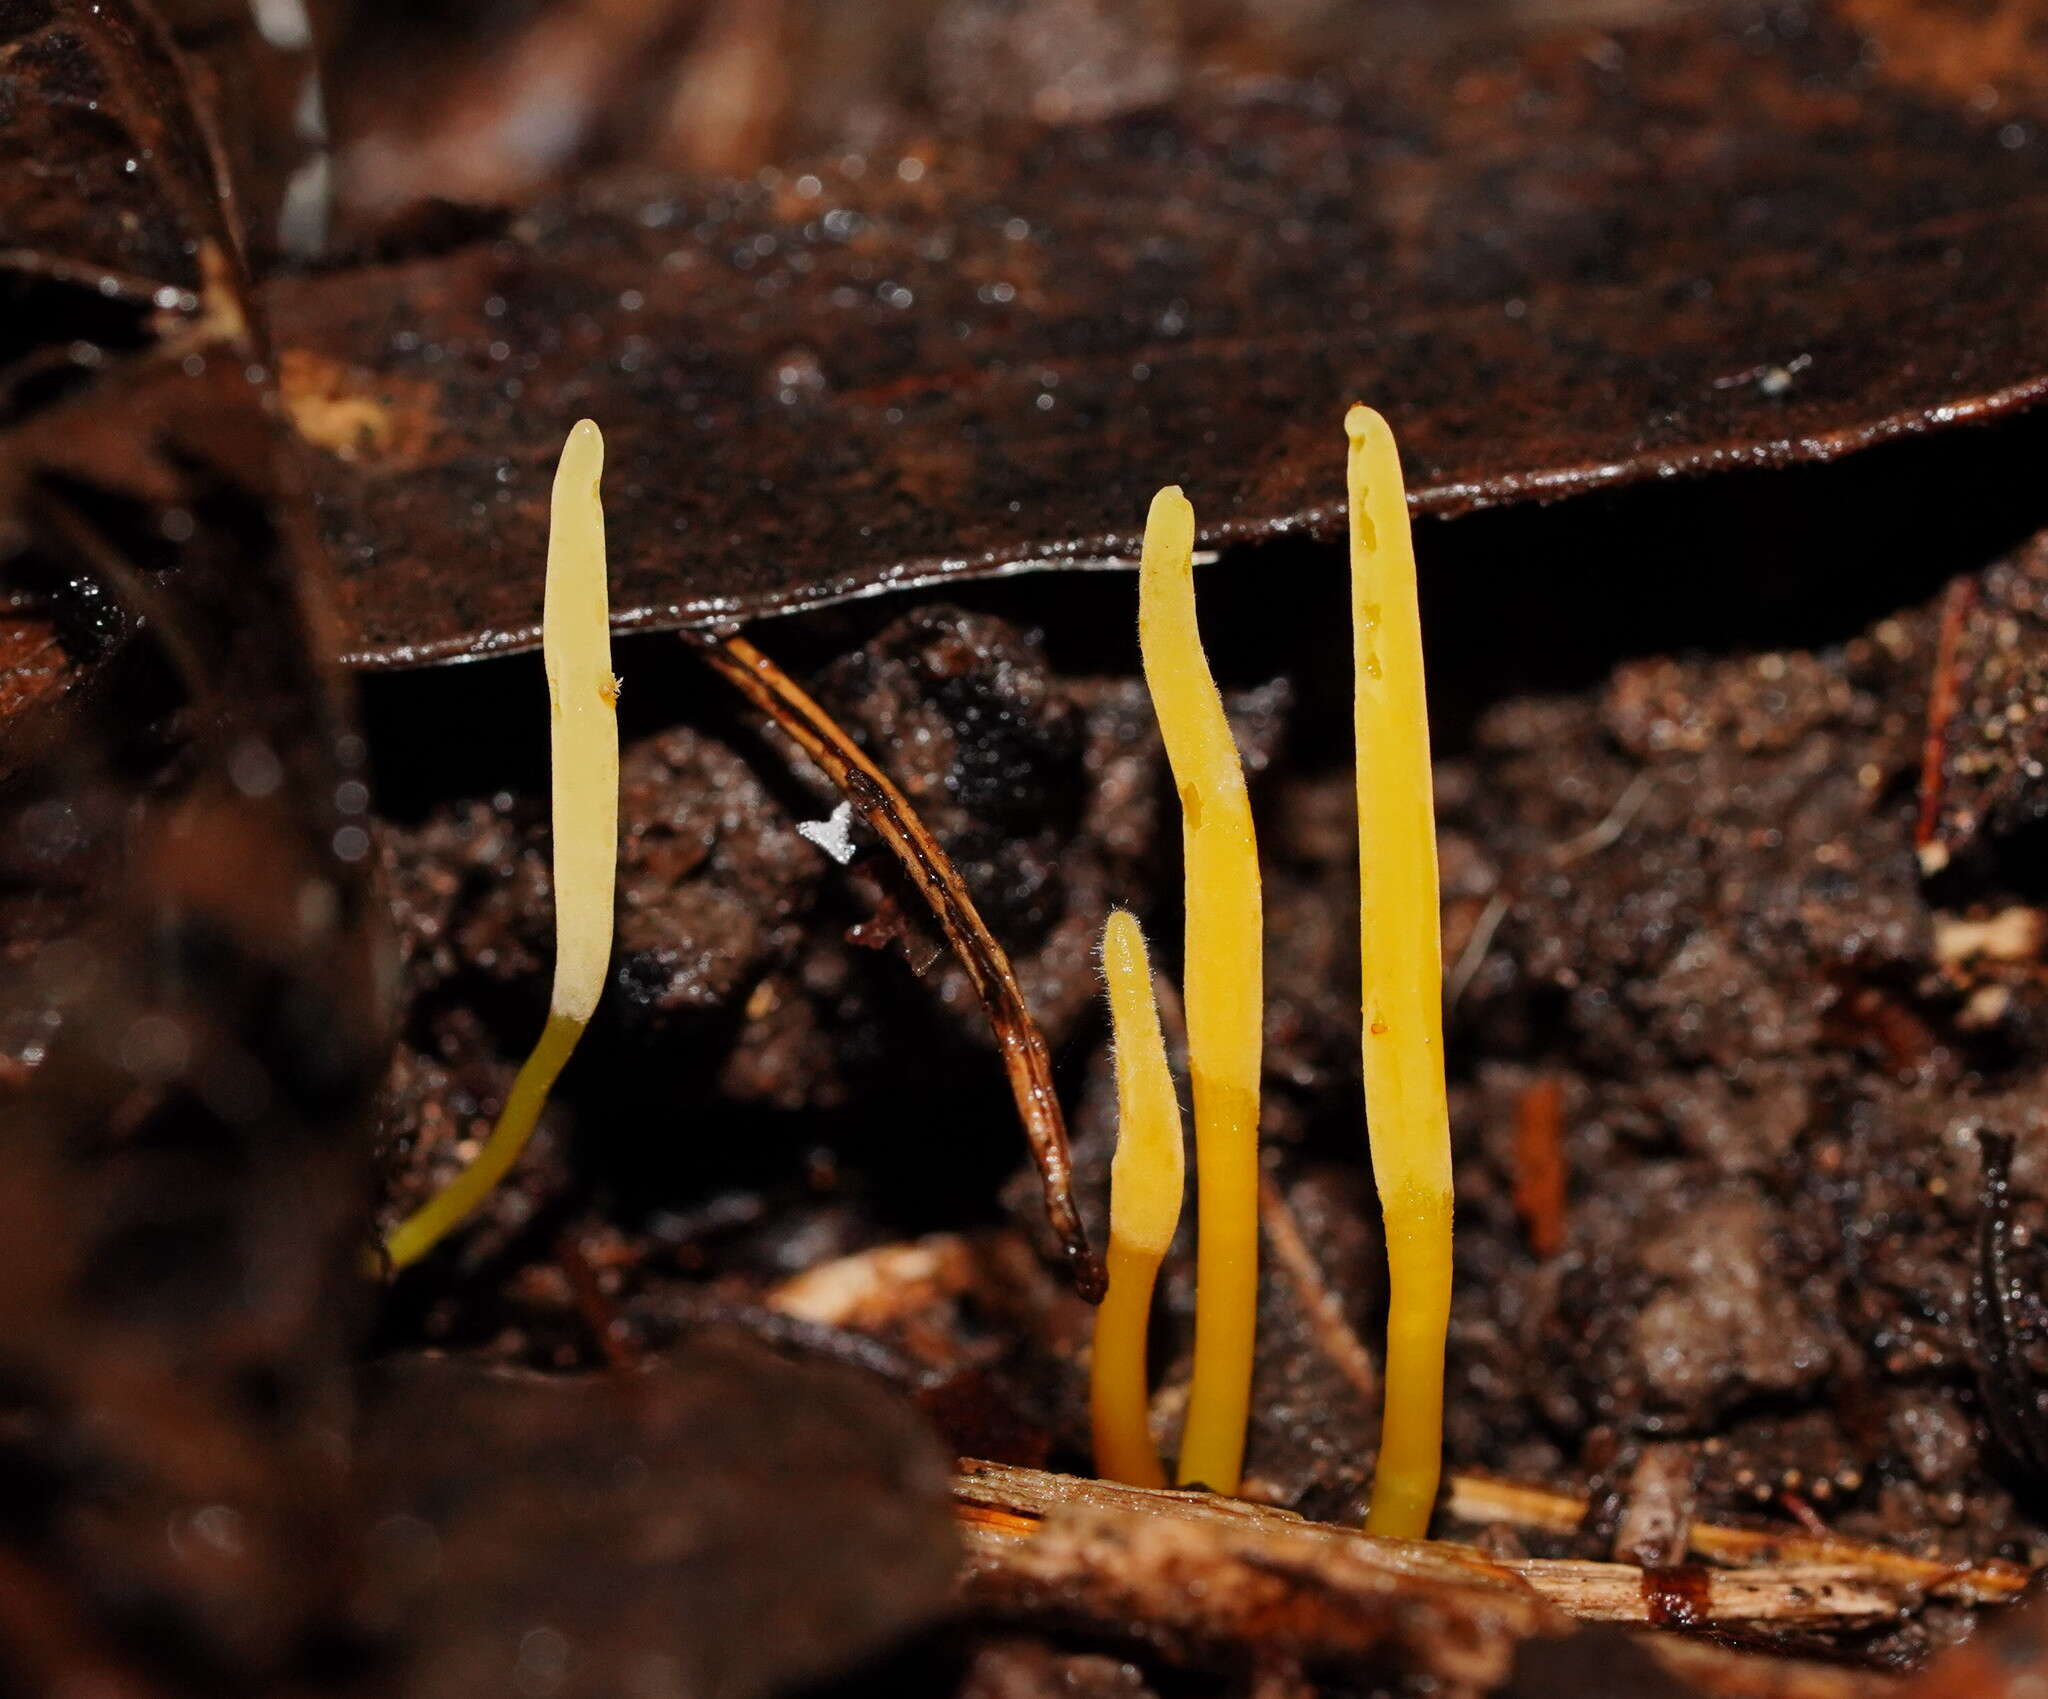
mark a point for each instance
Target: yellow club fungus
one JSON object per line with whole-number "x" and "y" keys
{"x": 1146, "y": 1178}
{"x": 1402, "y": 957}
{"x": 584, "y": 759}
{"x": 1222, "y": 987}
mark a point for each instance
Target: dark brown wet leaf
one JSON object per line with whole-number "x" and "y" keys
{"x": 118, "y": 256}
{"x": 1734, "y": 237}
{"x": 717, "y": 1525}
{"x": 112, "y": 177}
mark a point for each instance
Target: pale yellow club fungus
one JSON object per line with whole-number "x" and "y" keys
{"x": 583, "y": 719}
{"x": 1223, "y": 990}
{"x": 1400, "y": 944}
{"x": 1147, "y": 1177}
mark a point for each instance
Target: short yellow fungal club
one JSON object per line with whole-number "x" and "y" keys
{"x": 1223, "y": 989}
{"x": 584, "y": 763}
{"x": 1147, "y": 1178}
{"x": 1400, "y": 943}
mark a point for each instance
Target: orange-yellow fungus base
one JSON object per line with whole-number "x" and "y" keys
{"x": 1147, "y": 1178}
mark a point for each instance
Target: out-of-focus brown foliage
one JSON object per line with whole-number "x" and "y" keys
{"x": 192, "y": 1021}
{"x": 503, "y": 102}
{"x": 716, "y": 1523}
{"x": 254, "y": 70}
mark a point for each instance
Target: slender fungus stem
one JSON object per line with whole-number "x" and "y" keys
{"x": 584, "y": 766}
{"x": 888, "y": 812}
{"x": 1146, "y": 1179}
{"x": 1400, "y": 942}
{"x": 1222, "y": 978}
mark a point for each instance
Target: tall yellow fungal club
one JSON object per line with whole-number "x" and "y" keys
{"x": 1146, "y": 1179}
{"x": 1223, "y": 980}
{"x": 584, "y": 759}
{"x": 1401, "y": 947}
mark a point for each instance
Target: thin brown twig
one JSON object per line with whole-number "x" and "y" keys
{"x": 1333, "y": 1329}
{"x": 1539, "y": 1188}
{"x": 1803, "y": 1513}
{"x": 1480, "y": 1500}
{"x": 608, "y": 1329}
{"x": 1472, "y": 954}
{"x": 1026, "y": 1059}
{"x": 1942, "y": 693}
{"x": 1607, "y": 831}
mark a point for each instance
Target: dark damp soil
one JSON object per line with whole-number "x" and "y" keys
{"x": 1721, "y": 1048}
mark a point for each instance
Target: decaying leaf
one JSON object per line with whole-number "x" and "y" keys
{"x": 257, "y": 76}
{"x": 114, "y": 238}
{"x": 1729, "y": 236}
{"x": 114, "y": 178}
{"x": 718, "y": 1524}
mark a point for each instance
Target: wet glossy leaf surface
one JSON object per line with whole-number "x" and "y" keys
{"x": 1728, "y": 238}
{"x": 111, "y": 173}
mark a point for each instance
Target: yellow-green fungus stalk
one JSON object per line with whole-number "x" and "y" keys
{"x": 584, "y": 761}
{"x": 1146, "y": 1179}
